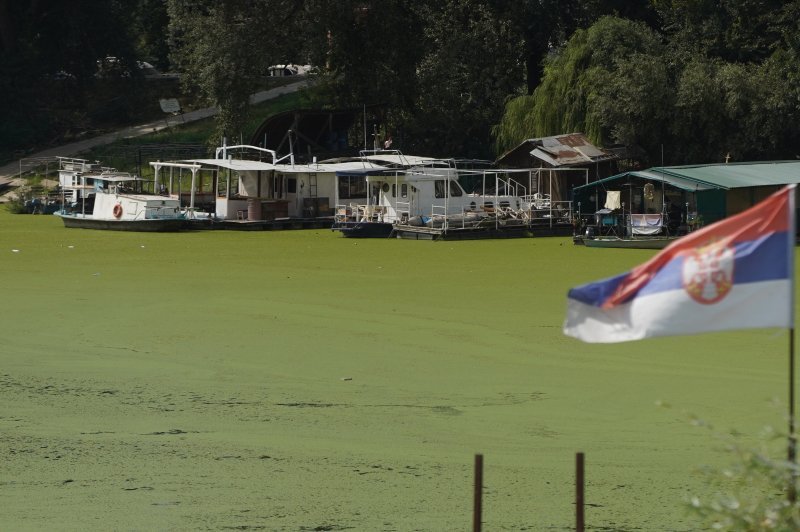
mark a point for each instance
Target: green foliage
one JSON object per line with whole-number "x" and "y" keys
{"x": 745, "y": 110}
{"x": 752, "y": 493}
{"x": 601, "y": 82}
{"x": 124, "y": 155}
{"x": 49, "y": 53}
{"x": 367, "y": 51}
{"x": 618, "y": 83}
{"x": 468, "y": 71}
{"x": 223, "y": 50}
{"x": 732, "y": 30}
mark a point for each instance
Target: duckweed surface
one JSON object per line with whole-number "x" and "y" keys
{"x": 298, "y": 380}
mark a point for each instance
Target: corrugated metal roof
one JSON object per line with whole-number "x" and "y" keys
{"x": 738, "y": 175}
{"x": 562, "y": 150}
{"x": 720, "y": 176}
{"x": 653, "y": 176}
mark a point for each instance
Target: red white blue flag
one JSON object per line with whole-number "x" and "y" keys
{"x": 735, "y": 274}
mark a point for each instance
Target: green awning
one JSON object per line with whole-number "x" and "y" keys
{"x": 689, "y": 185}
{"x": 712, "y": 176}
{"x": 739, "y": 175}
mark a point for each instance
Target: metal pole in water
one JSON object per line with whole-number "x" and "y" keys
{"x": 477, "y": 508}
{"x": 579, "y": 493}
{"x": 792, "y": 493}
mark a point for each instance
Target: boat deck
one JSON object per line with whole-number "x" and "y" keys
{"x": 480, "y": 232}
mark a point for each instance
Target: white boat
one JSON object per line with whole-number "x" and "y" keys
{"x": 432, "y": 197}
{"x": 102, "y": 198}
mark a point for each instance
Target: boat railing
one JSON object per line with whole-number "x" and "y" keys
{"x": 343, "y": 213}
{"x": 507, "y": 187}
{"x": 157, "y": 212}
{"x": 645, "y": 224}
{"x": 355, "y": 212}
{"x": 539, "y": 207}
{"x": 402, "y": 211}
{"x": 439, "y": 216}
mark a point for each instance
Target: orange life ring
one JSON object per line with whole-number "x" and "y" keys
{"x": 117, "y": 210}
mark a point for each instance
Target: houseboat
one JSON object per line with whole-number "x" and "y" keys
{"x": 96, "y": 197}
{"x": 442, "y": 200}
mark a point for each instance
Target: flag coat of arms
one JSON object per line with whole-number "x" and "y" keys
{"x": 735, "y": 274}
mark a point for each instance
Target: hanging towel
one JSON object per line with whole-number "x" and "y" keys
{"x": 612, "y": 199}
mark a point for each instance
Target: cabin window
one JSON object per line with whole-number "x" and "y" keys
{"x": 291, "y": 185}
{"x": 385, "y": 188}
{"x": 394, "y": 191}
{"x": 455, "y": 190}
{"x": 404, "y": 190}
{"x": 439, "y": 188}
{"x": 352, "y": 187}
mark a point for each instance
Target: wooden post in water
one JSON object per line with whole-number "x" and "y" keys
{"x": 579, "y": 481}
{"x": 477, "y": 507}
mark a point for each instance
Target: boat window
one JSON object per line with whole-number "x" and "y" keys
{"x": 438, "y": 188}
{"x": 291, "y": 185}
{"x": 455, "y": 190}
{"x": 394, "y": 191}
{"x": 277, "y": 186}
{"x": 351, "y": 187}
{"x": 404, "y": 190}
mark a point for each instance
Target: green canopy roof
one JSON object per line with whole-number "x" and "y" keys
{"x": 737, "y": 175}
{"x": 714, "y": 176}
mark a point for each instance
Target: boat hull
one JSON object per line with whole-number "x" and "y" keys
{"x": 629, "y": 243}
{"x": 159, "y": 225}
{"x": 364, "y": 229}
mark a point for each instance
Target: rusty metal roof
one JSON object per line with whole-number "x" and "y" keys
{"x": 573, "y": 149}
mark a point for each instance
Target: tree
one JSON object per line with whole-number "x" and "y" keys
{"x": 49, "y": 53}
{"x": 149, "y": 25}
{"x": 545, "y": 25}
{"x": 469, "y": 69}
{"x": 608, "y": 81}
{"x": 732, "y": 30}
{"x": 223, "y": 50}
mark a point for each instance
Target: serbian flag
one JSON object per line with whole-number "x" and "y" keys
{"x": 734, "y": 274}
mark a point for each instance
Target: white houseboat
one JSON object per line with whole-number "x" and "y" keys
{"x": 252, "y": 184}
{"x": 439, "y": 197}
{"x": 96, "y": 197}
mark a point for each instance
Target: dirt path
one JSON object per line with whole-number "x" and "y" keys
{"x": 10, "y": 173}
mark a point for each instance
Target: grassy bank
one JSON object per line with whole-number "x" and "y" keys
{"x": 298, "y": 380}
{"x": 125, "y": 153}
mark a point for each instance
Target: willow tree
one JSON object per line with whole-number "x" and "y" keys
{"x": 608, "y": 81}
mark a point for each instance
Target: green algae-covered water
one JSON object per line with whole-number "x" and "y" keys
{"x": 298, "y": 380}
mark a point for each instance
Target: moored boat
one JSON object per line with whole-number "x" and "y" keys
{"x": 111, "y": 200}
{"x": 431, "y": 199}
{"x": 642, "y": 242}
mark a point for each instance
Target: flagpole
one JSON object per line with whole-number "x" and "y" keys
{"x": 792, "y": 495}
{"x": 792, "y": 436}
